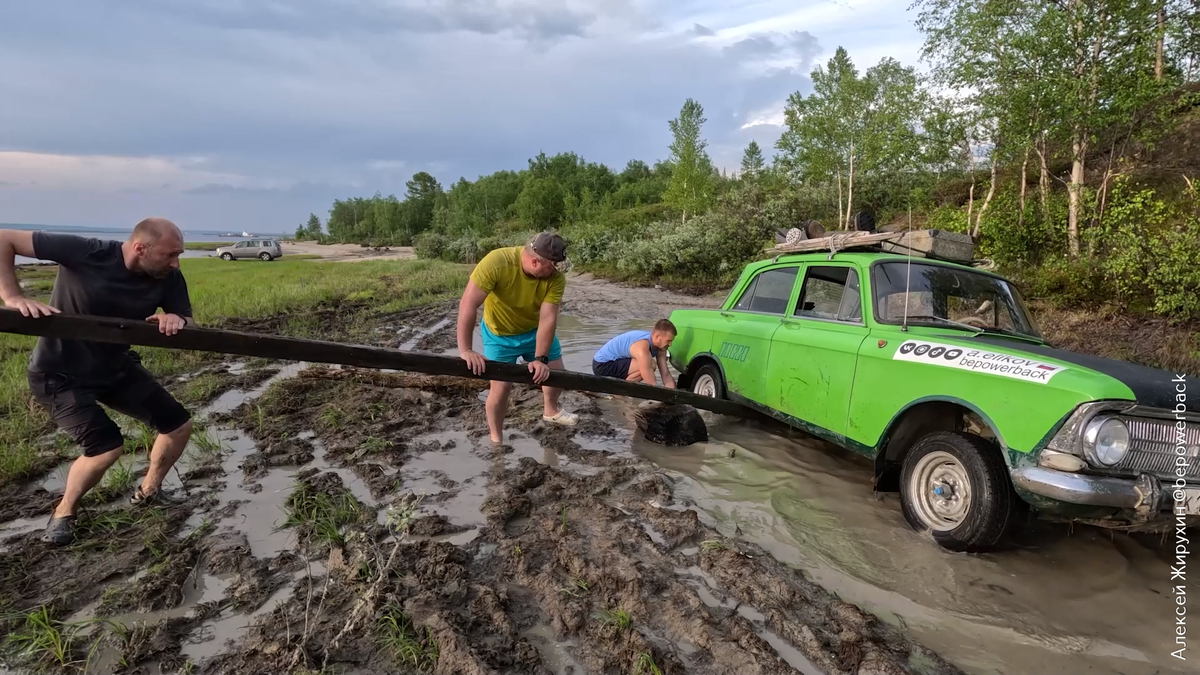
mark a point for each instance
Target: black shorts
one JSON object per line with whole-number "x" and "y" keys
{"x": 75, "y": 406}
{"x": 618, "y": 369}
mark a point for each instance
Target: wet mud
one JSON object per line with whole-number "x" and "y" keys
{"x": 352, "y": 520}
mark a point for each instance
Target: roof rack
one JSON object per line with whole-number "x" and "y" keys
{"x": 934, "y": 244}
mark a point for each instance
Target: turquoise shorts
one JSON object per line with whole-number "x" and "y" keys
{"x": 507, "y": 348}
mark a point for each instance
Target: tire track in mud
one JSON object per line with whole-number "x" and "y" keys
{"x": 409, "y": 543}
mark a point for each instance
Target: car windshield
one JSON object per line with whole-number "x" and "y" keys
{"x": 938, "y": 295}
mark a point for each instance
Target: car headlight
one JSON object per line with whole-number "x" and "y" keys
{"x": 1106, "y": 441}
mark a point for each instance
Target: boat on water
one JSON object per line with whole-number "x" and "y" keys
{"x": 234, "y": 234}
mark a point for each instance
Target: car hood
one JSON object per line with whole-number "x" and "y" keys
{"x": 1150, "y": 386}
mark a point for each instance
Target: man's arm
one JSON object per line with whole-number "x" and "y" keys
{"x": 177, "y": 308}
{"x": 12, "y": 244}
{"x": 472, "y": 297}
{"x": 640, "y": 351}
{"x": 664, "y": 369}
{"x": 547, "y": 324}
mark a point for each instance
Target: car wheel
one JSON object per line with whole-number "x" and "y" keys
{"x": 226, "y": 256}
{"x": 264, "y": 256}
{"x": 708, "y": 382}
{"x": 956, "y": 487}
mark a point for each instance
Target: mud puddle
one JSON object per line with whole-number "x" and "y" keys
{"x": 1072, "y": 602}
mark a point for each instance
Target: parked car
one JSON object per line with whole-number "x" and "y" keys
{"x": 263, "y": 249}
{"x": 936, "y": 371}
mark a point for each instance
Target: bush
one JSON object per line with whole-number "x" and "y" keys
{"x": 713, "y": 247}
{"x": 467, "y": 249}
{"x": 430, "y": 244}
{"x": 1152, "y": 249}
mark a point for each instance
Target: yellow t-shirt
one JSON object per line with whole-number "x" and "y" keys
{"x": 514, "y": 298}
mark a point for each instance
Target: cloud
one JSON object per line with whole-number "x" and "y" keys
{"x": 241, "y": 99}
{"x": 221, "y": 189}
{"x": 49, "y": 171}
{"x": 387, "y": 164}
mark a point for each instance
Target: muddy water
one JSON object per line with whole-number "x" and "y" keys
{"x": 1081, "y": 602}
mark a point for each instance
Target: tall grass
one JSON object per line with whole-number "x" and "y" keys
{"x": 218, "y": 290}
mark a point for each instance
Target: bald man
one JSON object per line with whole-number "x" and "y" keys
{"x": 71, "y": 378}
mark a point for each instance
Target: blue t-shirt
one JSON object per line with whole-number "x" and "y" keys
{"x": 618, "y": 347}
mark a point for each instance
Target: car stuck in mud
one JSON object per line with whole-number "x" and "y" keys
{"x": 936, "y": 371}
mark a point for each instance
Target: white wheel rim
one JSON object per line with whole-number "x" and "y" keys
{"x": 705, "y": 386}
{"x": 940, "y": 491}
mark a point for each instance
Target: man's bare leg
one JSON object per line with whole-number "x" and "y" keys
{"x": 497, "y": 406}
{"x": 85, "y": 473}
{"x": 635, "y": 372}
{"x": 550, "y": 394}
{"x": 167, "y": 450}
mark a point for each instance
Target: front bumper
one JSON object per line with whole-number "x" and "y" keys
{"x": 1143, "y": 493}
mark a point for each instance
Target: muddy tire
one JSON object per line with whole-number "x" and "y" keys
{"x": 226, "y": 256}
{"x": 708, "y": 382}
{"x": 956, "y": 487}
{"x": 264, "y": 256}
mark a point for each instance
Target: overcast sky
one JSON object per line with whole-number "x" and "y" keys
{"x": 249, "y": 114}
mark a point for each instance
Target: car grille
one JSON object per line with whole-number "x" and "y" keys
{"x": 1152, "y": 448}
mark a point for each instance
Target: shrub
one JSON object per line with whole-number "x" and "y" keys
{"x": 430, "y": 244}
{"x": 713, "y": 247}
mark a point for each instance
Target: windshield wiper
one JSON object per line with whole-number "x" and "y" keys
{"x": 978, "y": 331}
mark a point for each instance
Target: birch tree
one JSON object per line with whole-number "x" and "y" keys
{"x": 852, "y": 126}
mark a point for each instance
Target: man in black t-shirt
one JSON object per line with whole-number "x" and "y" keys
{"x": 71, "y": 378}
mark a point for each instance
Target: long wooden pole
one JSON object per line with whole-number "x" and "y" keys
{"x": 122, "y": 331}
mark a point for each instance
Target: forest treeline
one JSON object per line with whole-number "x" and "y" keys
{"x": 1061, "y": 134}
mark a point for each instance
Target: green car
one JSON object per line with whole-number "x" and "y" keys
{"x": 936, "y": 371}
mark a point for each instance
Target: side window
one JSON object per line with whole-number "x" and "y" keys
{"x": 769, "y": 292}
{"x": 831, "y": 293}
{"x": 743, "y": 303}
{"x": 240, "y": 244}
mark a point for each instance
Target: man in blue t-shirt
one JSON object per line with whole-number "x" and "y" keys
{"x": 632, "y": 356}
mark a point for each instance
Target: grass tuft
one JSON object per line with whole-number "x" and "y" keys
{"x": 320, "y": 516}
{"x": 44, "y": 644}
{"x": 205, "y": 441}
{"x": 201, "y": 388}
{"x": 644, "y": 665}
{"x": 407, "y": 646}
{"x": 618, "y": 619}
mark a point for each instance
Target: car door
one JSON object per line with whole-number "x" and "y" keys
{"x": 744, "y": 346}
{"x": 815, "y": 351}
{"x": 241, "y": 249}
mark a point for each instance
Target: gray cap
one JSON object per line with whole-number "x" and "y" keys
{"x": 550, "y": 246}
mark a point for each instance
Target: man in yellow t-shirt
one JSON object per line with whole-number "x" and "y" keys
{"x": 520, "y": 289}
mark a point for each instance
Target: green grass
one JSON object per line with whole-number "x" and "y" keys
{"x": 618, "y": 619}
{"x": 396, "y": 634}
{"x": 218, "y": 290}
{"x": 200, "y": 388}
{"x": 206, "y": 442}
{"x": 644, "y": 665}
{"x": 320, "y": 516}
{"x": 117, "y": 481}
{"x": 42, "y": 643}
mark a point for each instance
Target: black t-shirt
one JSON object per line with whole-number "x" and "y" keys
{"x": 93, "y": 279}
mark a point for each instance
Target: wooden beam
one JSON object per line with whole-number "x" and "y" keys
{"x": 141, "y": 333}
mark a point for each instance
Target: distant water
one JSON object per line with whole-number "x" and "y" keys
{"x": 122, "y": 235}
